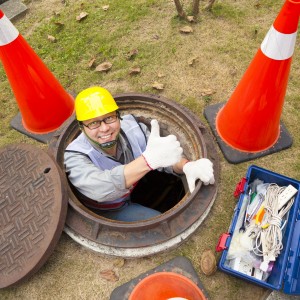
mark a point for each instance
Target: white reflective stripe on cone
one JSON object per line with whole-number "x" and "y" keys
{"x": 8, "y": 32}
{"x": 277, "y": 45}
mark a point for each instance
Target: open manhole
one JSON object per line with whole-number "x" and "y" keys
{"x": 182, "y": 212}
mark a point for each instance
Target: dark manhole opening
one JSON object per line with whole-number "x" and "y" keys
{"x": 160, "y": 191}
{"x": 157, "y": 190}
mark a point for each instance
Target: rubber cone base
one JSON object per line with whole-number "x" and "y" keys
{"x": 180, "y": 265}
{"x": 17, "y": 124}
{"x": 234, "y": 156}
{"x": 13, "y": 9}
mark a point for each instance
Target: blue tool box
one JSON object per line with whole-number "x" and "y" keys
{"x": 286, "y": 269}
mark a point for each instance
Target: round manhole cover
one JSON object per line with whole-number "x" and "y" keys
{"x": 33, "y": 209}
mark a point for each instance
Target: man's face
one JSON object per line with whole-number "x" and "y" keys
{"x": 105, "y": 132}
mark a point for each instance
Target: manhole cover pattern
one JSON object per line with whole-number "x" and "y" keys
{"x": 29, "y": 213}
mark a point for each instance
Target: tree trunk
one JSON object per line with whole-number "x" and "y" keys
{"x": 210, "y": 4}
{"x": 180, "y": 10}
{"x": 196, "y": 4}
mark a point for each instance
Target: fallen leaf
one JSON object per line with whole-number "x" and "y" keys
{"x": 51, "y": 38}
{"x": 92, "y": 62}
{"x": 134, "y": 71}
{"x": 186, "y": 29}
{"x": 105, "y": 7}
{"x": 81, "y": 16}
{"x": 158, "y": 86}
{"x": 192, "y": 60}
{"x": 109, "y": 275}
{"x": 59, "y": 24}
{"x": 257, "y": 5}
{"x": 233, "y": 71}
{"x": 132, "y": 54}
{"x": 104, "y": 67}
{"x": 208, "y": 263}
{"x": 191, "y": 18}
{"x": 119, "y": 262}
{"x": 206, "y": 92}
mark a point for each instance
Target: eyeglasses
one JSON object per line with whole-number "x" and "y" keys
{"x": 97, "y": 123}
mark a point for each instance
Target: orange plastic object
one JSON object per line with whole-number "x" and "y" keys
{"x": 42, "y": 101}
{"x": 250, "y": 120}
{"x": 260, "y": 214}
{"x": 166, "y": 285}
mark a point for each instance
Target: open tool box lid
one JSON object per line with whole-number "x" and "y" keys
{"x": 286, "y": 269}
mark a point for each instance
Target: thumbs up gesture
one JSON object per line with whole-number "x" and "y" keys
{"x": 161, "y": 151}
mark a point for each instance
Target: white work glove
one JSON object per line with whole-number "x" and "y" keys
{"x": 199, "y": 169}
{"x": 161, "y": 151}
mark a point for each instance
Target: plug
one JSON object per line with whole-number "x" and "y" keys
{"x": 286, "y": 195}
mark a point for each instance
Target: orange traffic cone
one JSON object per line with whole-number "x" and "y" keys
{"x": 250, "y": 120}
{"x": 43, "y": 103}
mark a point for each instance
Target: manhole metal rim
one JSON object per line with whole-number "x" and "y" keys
{"x": 138, "y": 252}
{"x": 82, "y": 217}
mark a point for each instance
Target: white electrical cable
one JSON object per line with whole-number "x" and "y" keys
{"x": 263, "y": 235}
{"x": 268, "y": 241}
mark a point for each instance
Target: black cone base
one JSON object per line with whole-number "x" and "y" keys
{"x": 234, "y": 156}
{"x": 16, "y": 123}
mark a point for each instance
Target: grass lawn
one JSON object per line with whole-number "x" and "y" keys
{"x": 195, "y": 69}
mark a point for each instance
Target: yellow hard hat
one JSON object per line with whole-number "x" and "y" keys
{"x": 94, "y": 102}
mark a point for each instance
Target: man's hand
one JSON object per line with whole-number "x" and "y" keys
{"x": 161, "y": 151}
{"x": 200, "y": 169}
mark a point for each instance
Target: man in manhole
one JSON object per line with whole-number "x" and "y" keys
{"x": 113, "y": 153}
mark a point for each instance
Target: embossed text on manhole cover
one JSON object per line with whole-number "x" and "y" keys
{"x": 33, "y": 208}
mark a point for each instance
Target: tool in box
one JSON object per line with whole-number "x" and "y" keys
{"x": 263, "y": 237}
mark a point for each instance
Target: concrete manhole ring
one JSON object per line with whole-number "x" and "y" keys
{"x": 144, "y": 238}
{"x": 33, "y": 208}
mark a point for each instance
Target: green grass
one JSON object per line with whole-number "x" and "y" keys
{"x": 76, "y": 43}
{"x": 228, "y": 11}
